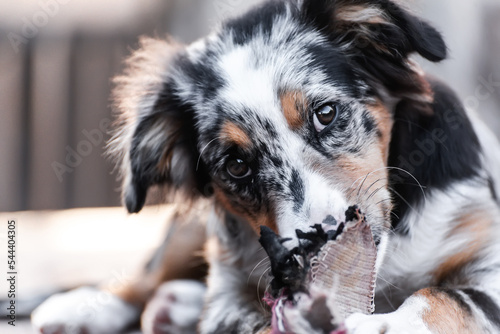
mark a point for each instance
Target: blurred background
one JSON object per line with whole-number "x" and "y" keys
{"x": 57, "y": 58}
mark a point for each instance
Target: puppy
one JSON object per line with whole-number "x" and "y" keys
{"x": 284, "y": 118}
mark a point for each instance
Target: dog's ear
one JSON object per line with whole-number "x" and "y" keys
{"x": 379, "y": 24}
{"x": 379, "y": 36}
{"x": 155, "y": 138}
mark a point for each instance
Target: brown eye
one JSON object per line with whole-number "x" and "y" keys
{"x": 238, "y": 168}
{"x": 324, "y": 116}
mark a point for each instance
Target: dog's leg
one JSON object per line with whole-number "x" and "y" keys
{"x": 465, "y": 299}
{"x": 236, "y": 282}
{"x": 175, "y": 308}
{"x": 466, "y": 293}
{"x": 436, "y": 310}
{"x": 180, "y": 256}
{"x": 112, "y": 308}
{"x": 83, "y": 310}
{"x": 462, "y": 272}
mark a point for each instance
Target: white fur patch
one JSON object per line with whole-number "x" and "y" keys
{"x": 86, "y": 308}
{"x": 321, "y": 200}
{"x": 428, "y": 244}
{"x": 490, "y": 147}
{"x": 181, "y": 302}
{"x": 406, "y": 320}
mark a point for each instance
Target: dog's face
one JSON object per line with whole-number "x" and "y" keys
{"x": 289, "y": 139}
{"x": 284, "y": 116}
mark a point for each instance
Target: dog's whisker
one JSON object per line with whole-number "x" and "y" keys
{"x": 379, "y": 276}
{"x": 388, "y": 299}
{"x": 268, "y": 286}
{"x": 414, "y": 178}
{"x": 374, "y": 192}
{"x": 201, "y": 153}
{"x": 352, "y": 188}
{"x": 395, "y": 215}
{"x": 361, "y": 186}
{"x": 373, "y": 183}
{"x": 406, "y": 202}
{"x": 359, "y": 178}
{"x": 364, "y": 179}
{"x": 384, "y": 200}
{"x": 261, "y": 262}
{"x": 258, "y": 287}
{"x": 409, "y": 184}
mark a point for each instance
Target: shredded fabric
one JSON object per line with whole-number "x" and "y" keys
{"x": 326, "y": 278}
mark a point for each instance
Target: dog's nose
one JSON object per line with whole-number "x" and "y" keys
{"x": 329, "y": 223}
{"x": 329, "y": 220}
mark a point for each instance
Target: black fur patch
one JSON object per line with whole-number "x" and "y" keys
{"x": 437, "y": 149}
{"x": 286, "y": 270}
{"x": 318, "y": 13}
{"x": 260, "y": 20}
{"x": 203, "y": 73}
{"x": 179, "y": 117}
{"x": 297, "y": 190}
{"x": 368, "y": 123}
{"x": 491, "y": 185}
{"x": 336, "y": 66}
{"x": 490, "y": 309}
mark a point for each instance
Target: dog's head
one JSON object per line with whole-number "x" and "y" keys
{"x": 284, "y": 116}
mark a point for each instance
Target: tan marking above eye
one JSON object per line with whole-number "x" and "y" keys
{"x": 294, "y": 108}
{"x": 233, "y": 134}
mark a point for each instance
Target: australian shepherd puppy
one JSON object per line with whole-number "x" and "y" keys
{"x": 284, "y": 118}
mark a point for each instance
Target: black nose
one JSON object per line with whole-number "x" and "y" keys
{"x": 329, "y": 220}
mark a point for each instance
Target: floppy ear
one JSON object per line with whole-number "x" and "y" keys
{"x": 155, "y": 138}
{"x": 378, "y": 36}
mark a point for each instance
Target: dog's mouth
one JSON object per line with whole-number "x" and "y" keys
{"x": 334, "y": 267}
{"x": 290, "y": 267}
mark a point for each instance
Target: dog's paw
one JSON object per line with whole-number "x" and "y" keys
{"x": 84, "y": 310}
{"x": 392, "y": 323}
{"x": 175, "y": 308}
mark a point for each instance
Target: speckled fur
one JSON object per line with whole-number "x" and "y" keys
{"x": 402, "y": 148}
{"x": 232, "y": 85}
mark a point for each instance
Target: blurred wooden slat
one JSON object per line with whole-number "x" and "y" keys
{"x": 50, "y": 94}
{"x": 11, "y": 67}
{"x": 26, "y": 110}
{"x": 94, "y": 57}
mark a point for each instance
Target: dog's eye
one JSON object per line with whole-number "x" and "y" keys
{"x": 238, "y": 168}
{"x": 324, "y": 116}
